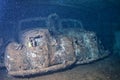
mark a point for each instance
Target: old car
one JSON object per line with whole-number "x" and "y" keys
{"x": 39, "y": 52}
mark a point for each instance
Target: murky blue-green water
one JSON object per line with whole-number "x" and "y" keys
{"x": 102, "y": 17}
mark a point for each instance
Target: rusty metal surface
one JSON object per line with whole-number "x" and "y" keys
{"x": 39, "y": 52}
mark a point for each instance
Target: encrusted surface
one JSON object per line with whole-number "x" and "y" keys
{"x": 55, "y": 47}
{"x": 39, "y": 53}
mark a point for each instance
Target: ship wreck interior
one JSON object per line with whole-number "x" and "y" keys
{"x": 61, "y": 16}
